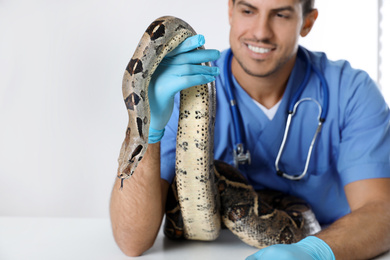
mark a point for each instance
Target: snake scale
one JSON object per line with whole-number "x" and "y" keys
{"x": 205, "y": 192}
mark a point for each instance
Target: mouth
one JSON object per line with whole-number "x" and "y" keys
{"x": 259, "y": 50}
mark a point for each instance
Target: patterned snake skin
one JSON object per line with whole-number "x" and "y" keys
{"x": 204, "y": 192}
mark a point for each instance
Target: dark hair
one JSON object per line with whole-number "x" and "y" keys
{"x": 307, "y": 6}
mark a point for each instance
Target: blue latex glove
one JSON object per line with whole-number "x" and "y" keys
{"x": 310, "y": 248}
{"x": 178, "y": 70}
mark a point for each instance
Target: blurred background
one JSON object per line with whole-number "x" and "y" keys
{"x": 62, "y": 116}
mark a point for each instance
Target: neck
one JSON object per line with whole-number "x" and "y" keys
{"x": 267, "y": 90}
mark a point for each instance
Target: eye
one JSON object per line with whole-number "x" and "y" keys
{"x": 282, "y": 15}
{"x": 136, "y": 151}
{"x": 246, "y": 11}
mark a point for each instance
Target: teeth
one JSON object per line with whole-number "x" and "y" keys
{"x": 258, "y": 49}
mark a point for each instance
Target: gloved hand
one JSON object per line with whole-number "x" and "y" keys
{"x": 178, "y": 70}
{"x": 310, "y": 248}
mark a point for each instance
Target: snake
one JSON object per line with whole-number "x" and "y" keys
{"x": 206, "y": 194}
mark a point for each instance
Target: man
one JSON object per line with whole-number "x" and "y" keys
{"x": 347, "y": 183}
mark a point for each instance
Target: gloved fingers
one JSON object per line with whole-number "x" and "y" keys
{"x": 178, "y": 77}
{"x": 190, "y": 69}
{"x": 192, "y": 57}
{"x": 282, "y": 252}
{"x": 255, "y": 256}
{"x": 188, "y": 44}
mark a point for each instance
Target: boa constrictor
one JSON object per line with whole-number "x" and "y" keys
{"x": 204, "y": 192}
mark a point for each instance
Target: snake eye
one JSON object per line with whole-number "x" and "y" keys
{"x": 136, "y": 151}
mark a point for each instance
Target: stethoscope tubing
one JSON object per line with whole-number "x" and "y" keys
{"x": 239, "y": 144}
{"x": 232, "y": 100}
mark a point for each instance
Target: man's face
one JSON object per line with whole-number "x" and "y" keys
{"x": 264, "y": 34}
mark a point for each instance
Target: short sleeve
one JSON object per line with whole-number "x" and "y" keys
{"x": 364, "y": 130}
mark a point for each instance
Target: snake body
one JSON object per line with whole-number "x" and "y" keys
{"x": 204, "y": 192}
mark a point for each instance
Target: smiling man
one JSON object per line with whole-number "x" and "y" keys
{"x": 348, "y": 176}
{"x": 264, "y": 41}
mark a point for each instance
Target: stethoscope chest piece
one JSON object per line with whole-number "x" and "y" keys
{"x": 240, "y": 157}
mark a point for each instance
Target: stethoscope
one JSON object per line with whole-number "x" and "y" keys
{"x": 239, "y": 154}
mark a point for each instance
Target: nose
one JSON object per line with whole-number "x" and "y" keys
{"x": 262, "y": 29}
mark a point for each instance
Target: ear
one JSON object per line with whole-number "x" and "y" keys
{"x": 308, "y": 22}
{"x": 231, "y": 5}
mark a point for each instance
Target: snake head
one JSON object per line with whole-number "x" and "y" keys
{"x": 130, "y": 162}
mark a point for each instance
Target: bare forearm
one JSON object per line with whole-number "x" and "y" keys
{"x": 363, "y": 234}
{"x": 137, "y": 209}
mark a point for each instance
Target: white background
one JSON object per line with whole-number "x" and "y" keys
{"x": 62, "y": 117}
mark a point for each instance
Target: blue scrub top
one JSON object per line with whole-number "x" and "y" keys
{"x": 354, "y": 143}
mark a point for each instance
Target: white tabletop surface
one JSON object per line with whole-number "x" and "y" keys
{"x": 67, "y": 238}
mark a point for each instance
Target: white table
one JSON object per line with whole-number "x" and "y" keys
{"x": 70, "y": 239}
